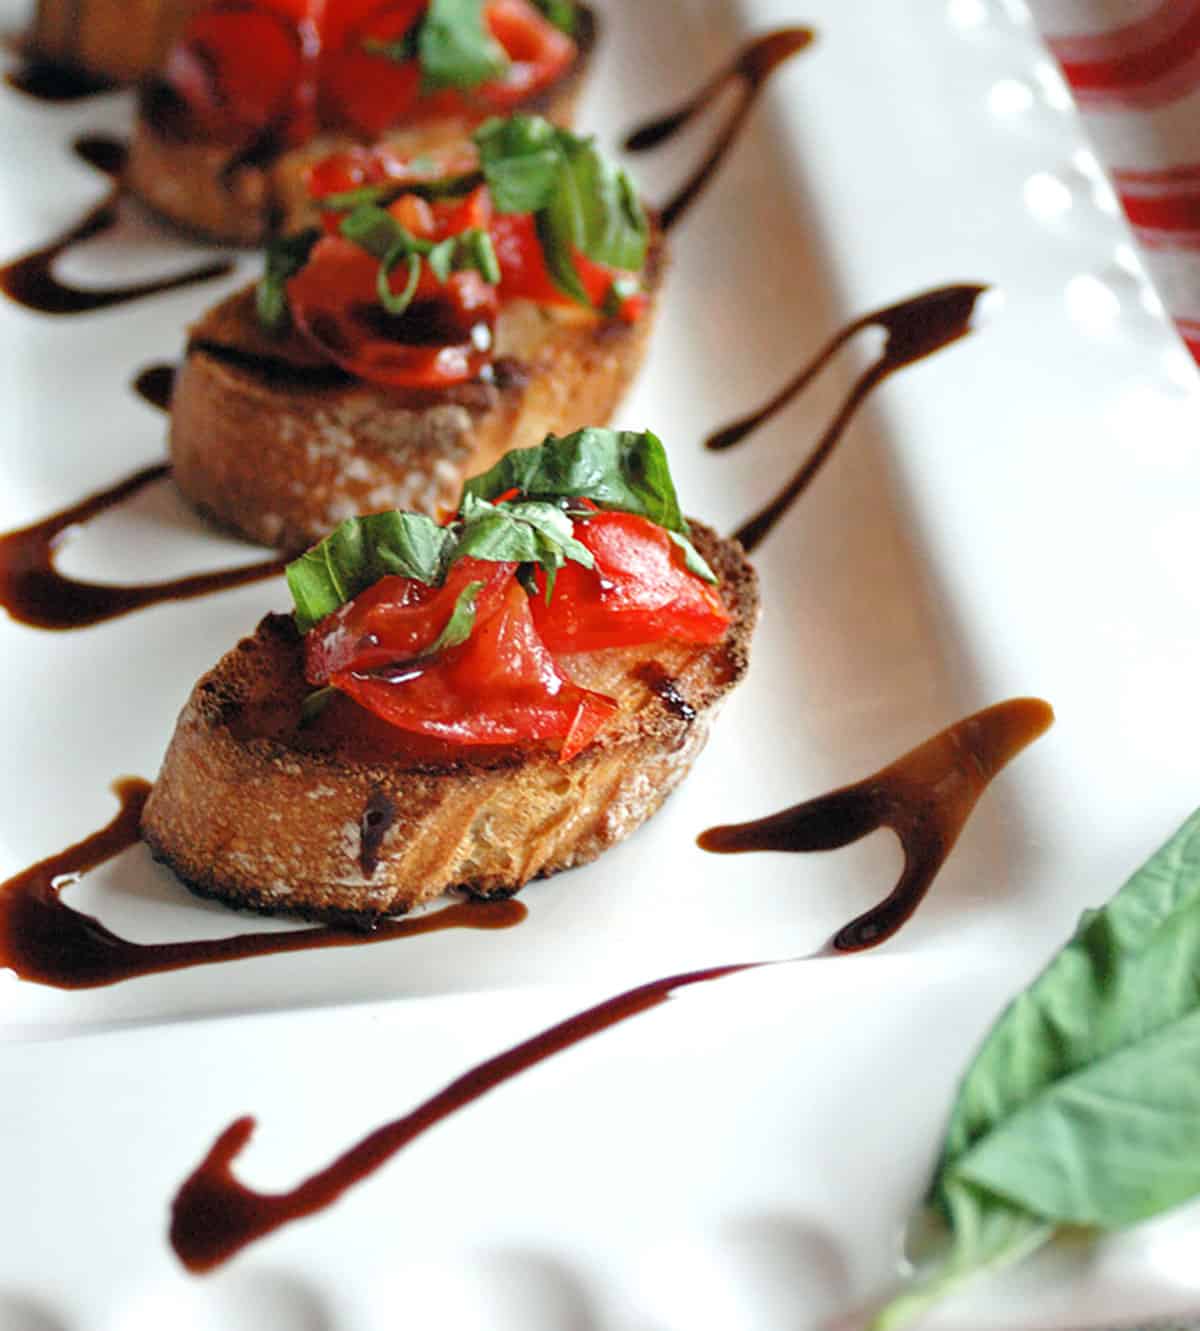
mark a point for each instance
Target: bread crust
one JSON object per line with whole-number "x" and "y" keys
{"x": 251, "y": 809}
{"x": 217, "y": 192}
{"x": 271, "y": 443}
{"x": 122, "y": 40}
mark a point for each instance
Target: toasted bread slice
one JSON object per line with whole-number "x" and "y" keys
{"x": 122, "y": 40}
{"x": 241, "y": 195}
{"x": 342, "y": 820}
{"x": 276, "y": 445}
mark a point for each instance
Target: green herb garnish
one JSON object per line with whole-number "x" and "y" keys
{"x": 559, "y": 12}
{"x": 581, "y": 202}
{"x": 285, "y": 258}
{"x": 1083, "y": 1106}
{"x": 361, "y": 551}
{"x": 454, "y": 45}
{"x": 616, "y": 470}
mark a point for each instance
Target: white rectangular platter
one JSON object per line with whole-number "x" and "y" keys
{"x": 1015, "y": 515}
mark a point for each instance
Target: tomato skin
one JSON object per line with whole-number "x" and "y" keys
{"x": 305, "y": 64}
{"x": 240, "y": 71}
{"x": 501, "y": 686}
{"x": 334, "y": 303}
{"x": 524, "y": 274}
{"x": 639, "y": 592}
{"x": 398, "y": 619}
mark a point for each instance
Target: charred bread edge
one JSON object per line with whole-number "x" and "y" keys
{"x": 282, "y": 487}
{"x": 661, "y": 733}
{"x": 155, "y": 156}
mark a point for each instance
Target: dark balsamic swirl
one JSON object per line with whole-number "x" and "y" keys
{"x": 927, "y": 796}
{"x": 30, "y": 280}
{"x": 45, "y": 941}
{"x": 748, "y": 72}
{"x": 915, "y": 328}
{"x": 34, "y": 592}
{"x": 49, "y": 81}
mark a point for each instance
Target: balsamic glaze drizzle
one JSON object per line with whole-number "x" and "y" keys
{"x": 48, "y": 81}
{"x": 926, "y": 796}
{"x": 34, "y": 592}
{"x": 155, "y": 384}
{"x": 30, "y": 280}
{"x": 45, "y": 941}
{"x": 215, "y": 1215}
{"x": 749, "y": 71}
{"x": 915, "y": 328}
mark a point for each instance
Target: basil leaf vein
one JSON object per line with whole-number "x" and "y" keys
{"x": 456, "y": 48}
{"x": 1082, "y": 1107}
{"x": 361, "y": 551}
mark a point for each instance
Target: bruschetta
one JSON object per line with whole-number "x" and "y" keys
{"x": 119, "y": 40}
{"x": 440, "y": 313}
{"x": 253, "y": 93}
{"x": 467, "y": 705}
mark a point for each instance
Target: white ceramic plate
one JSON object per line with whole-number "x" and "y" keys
{"x": 1015, "y": 515}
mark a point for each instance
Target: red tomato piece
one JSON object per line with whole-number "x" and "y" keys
{"x": 639, "y": 592}
{"x": 237, "y": 69}
{"x": 445, "y": 337}
{"x": 398, "y": 619}
{"x": 524, "y": 274}
{"x": 539, "y": 53}
{"x": 501, "y": 686}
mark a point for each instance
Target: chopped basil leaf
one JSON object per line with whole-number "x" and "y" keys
{"x": 527, "y": 533}
{"x": 361, "y": 551}
{"x": 400, "y": 51}
{"x": 693, "y": 560}
{"x": 285, "y": 258}
{"x": 521, "y": 158}
{"x": 1082, "y": 1108}
{"x": 375, "y": 230}
{"x": 441, "y": 257}
{"x": 315, "y": 703}
{"x": 559, "y": 12}
{"x": 350, "y": 199}
{"x": 616, "y": 469}
{"x": 393, "y": 302}
{"x": 481, "y": 254}
{"x": 582, "y": 203}
{"x": 456, "y": 48}
{"x": 461, "y": 622}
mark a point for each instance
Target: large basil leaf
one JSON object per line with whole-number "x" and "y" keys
{"x": 582, "y": 203}
{"x": 595, "y": 208}
{"x": 521, "y": 158}
{"x": 361, "y": 551}
{"x": 456, "y": 48}
{"x": 523, "y": 533}
{"x": 622, "y": 470}
{"x": 1083, "y": 1105}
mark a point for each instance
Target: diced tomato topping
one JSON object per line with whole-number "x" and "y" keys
{"x": 539, "y": 53}
{"x": 398, "y": 619}
{"x": 445, "y": 336}
{"x": 639, "y": 592}
{"x": 524, "y": 273}
{"x": 251, "y": 63}
{"x": 240, "y": 71}
{"x": 501, "y": 686}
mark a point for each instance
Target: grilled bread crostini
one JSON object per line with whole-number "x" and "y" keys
{"x": 119, "y": 40}
{"x": 308, "y": 400}
{"x": 431, "y": 718}
{"x": 253, "y": 93}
